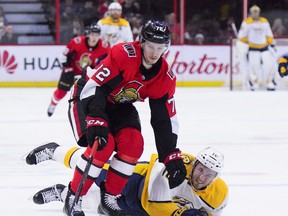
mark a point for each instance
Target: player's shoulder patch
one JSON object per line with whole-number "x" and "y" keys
{"x": 105, "y": 44}
{"x": 187, "y": 158}
{"x": 77, "y": 40}
{"x": 129, "y": 49}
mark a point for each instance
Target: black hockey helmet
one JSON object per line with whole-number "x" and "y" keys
{"x": 156, "y": 31}
{"x": 87, "y": 30}
{"x": 94, "y": 28}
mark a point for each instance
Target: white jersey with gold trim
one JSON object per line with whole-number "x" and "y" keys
{"x": 115, "y": 32}
{"x": 257, "y": 33}
{"x": 158, "y": 198}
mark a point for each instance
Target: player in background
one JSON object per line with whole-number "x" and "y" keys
{"x": 80, "y": 52}
{"x": 283, "y": 65}
{"x": 115, "y": 29}
{"x": 147, "y": 191}
{"x": 131, "y": 72}
{"x": 256, "y": 32}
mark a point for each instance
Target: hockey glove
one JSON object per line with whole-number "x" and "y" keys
{"x": 175, "y": 168}
{"x": 194, "y": 212}
{"x": 97, "y": 127}
{"x": 282, "y": 67}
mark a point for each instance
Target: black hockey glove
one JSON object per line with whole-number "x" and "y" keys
{"x": 97, "y": 127}
{"x": 282, "y": 67}
{"x": 194, "y": 212}
{"x": 175, "y": 168}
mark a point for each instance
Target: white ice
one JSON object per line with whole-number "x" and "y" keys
{"x": 250, "y": 128}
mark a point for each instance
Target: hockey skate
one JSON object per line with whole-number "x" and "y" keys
{"x": 49, "y": 194}
{"x": 51, "y": 109}
{"x": 271, "y": 86}
{"x": 69, "y": 209}
{"x": 41, "y": 153}
{"x": 253, "y": 85}
{"x": 108, "y": 204}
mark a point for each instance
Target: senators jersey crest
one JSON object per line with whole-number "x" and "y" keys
{"x": 84, "y": 61}
{"x": 129, "y": 93}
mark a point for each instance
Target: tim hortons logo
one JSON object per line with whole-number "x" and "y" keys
{"x": 7, "y": 62}
{"x": 205, "y": 64}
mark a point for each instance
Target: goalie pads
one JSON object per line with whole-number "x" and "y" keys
{"x": 282, "y": 66}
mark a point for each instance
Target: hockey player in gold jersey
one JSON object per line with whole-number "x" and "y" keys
{"x": 256, "y": 32}
{"x": 147, "y": 192}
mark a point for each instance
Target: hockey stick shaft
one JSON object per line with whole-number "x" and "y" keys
{"x": 85, "y": 173}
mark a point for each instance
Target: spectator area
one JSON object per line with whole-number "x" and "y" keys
{"x": 29, "y": 21}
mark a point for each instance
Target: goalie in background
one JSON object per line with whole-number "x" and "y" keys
{"x": 283, "y": 65}
{"x": 203, "y": 192}
{"x": 256, "y": 32}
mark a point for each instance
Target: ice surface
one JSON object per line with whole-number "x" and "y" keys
{"x": 250, "y": 128}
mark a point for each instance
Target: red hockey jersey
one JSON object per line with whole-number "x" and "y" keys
{"x": 82, "y": 55}
{"x": 126, "y": 80}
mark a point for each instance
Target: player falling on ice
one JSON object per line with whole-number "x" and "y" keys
{"x": 147, "y": 192}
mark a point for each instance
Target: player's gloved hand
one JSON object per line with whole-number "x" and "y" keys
{"x": 273, "y": 48}
{"x": 194, "y": 212}
{"x": 175, "y": 168}
{"x": 282, "y": 66}
{"x": 97, "y": 128}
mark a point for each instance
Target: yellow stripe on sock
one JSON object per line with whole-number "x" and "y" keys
{"x": 68, "y": 156}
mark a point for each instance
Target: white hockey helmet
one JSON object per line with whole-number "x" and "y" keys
{"x": 115, "y": 6}
{"x": 211, "y": 158}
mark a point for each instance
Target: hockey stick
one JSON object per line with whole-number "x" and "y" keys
{"x": 85, "y": 174}
{"x": 234, "y": 29}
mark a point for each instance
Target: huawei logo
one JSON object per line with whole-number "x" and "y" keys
{"x": 7, "y": 62}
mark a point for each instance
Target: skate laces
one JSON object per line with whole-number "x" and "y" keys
{"x": 111, "y": 201}
{"x": 77, "y": 207}
{"x": 51, "y": 195}
{"x": 43, "y": 155}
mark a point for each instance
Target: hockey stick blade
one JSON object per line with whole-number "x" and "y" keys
{"x": 85, "y": 174}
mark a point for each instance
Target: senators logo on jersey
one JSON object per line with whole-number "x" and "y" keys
{"x": 84, "y": 61}
{"x": 129, "y": 93}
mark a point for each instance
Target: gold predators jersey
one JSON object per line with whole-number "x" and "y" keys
{"x": 257, "y": 33}
{"x": 158, "y": 199}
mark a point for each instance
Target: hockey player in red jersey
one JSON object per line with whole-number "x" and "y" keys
{"x": 131, "y": 72}
{"x": 80, "y": 52}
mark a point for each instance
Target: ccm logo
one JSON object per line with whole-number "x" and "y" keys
{"x": 174, "y": 156}
{"x": 95, "y": 122}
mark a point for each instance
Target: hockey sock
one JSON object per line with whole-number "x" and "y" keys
{"x": 118, "y": 175}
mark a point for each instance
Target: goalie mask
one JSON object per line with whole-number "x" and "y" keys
{"x": 255, "y": 12}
